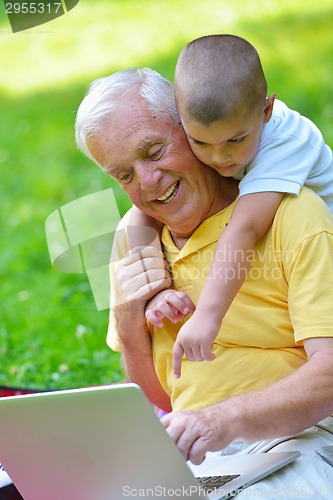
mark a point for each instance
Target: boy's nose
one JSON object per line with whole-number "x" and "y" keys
{"x": 220, "y": 156}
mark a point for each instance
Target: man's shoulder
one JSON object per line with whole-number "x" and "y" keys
{"x": 306, "y": 200}
{"x": 306, "y": 213}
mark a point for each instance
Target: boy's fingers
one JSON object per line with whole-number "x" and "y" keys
{"x": 183, "y": 302}
{"x": 154, "y": 318}
{"x": 189, "y": 304}
{"x": 180, "y": 301}
{"x": 192, "y": 352}
{"x": 168, "y": 310}
{"x": 177, "y": 303}
{"x": 177, "y": 356}
{"x": 206, "y": 353}
{"x": 179, "y": 316}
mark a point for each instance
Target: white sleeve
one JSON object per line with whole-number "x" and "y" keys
{"x": 291, "y": 150}
{"x": 283, "y": 165}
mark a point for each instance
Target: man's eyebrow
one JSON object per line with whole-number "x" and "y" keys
{"x": 146, "y": 143}
{"x": 110, "y": 170}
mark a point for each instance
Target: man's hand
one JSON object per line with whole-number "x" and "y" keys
{"x": 197, "y": 431}
{"x": 169, "y": 304}
{"x": 195, "y": 340}
{"x": 136, "y": 279}
{"x": 141, "y": 275}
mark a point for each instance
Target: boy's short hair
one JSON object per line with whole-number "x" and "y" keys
{"x": 217, "y": 76}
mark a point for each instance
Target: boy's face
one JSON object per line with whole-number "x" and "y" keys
{"x": 229, "y": 145}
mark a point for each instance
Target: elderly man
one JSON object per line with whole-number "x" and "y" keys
{"x": 273, "y": 370}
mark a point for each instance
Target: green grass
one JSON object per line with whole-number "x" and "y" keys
{"x": 51, "y": 334}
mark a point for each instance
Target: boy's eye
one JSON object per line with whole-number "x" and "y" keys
{"x": 237, "y": 141}
{"x": 198, "y": 143}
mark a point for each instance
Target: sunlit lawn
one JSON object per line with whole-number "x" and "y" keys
{"x": 51, "y": 334}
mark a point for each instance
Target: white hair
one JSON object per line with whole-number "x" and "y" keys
{"x": 104, "y": 98}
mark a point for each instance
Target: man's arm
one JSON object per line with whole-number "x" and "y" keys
{"x": 138, "y": 363}
{"x": 134, "y": 280}
{"x": 286, "y": 407}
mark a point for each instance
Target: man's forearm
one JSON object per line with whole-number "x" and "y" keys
{"x": 135, "y": 279}
{"x": 286, "y": 407}
{"x": 138, "y": 363}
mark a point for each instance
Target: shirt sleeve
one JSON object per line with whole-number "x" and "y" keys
{"x": 306, "y": 246}
{"x": 282, "y": 165}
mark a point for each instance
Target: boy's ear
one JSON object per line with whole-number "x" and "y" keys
{"x": 268, "y": 109}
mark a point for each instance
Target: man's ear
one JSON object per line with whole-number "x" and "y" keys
{"x": 268, "y": 109}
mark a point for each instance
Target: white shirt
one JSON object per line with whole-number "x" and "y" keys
{"x": 292, "y": 153}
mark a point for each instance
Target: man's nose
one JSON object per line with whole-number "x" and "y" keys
{"x": 148, "y": 175}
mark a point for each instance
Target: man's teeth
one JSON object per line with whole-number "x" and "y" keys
{"x": 170, "y": 191}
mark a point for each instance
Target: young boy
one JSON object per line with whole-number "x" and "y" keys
{"x": 233, "y": 127}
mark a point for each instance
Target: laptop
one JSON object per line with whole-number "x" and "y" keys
{"x": 106, "y": 443}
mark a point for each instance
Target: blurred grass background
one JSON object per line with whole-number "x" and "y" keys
{"x": 51, "y": 334}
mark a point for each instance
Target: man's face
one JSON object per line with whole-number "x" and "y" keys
{"x": 150, "y": 158}
{"x": 228, "y": 145}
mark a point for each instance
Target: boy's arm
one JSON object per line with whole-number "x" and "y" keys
{"x": 143, "y": 230}
{"x": 252, "y": 217}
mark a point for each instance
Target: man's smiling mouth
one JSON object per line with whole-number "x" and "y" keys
{"x": 169, "y": 194}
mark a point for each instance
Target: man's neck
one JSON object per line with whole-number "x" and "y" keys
{"x": 179, "y": 241}
{"x": 227, "y": 194}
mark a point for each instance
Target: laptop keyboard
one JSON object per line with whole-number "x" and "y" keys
{"x": 209, "y": 483}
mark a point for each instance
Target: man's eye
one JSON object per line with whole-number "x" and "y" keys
{"x": 155, "y": 152}
{"x": 125, "y": 177}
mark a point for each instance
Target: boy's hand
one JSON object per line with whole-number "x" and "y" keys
{"x": 169, "y": 304}
{"x": 195, "y": 340}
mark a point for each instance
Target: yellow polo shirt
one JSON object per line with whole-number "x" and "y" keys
{"x": 287, "y": 297}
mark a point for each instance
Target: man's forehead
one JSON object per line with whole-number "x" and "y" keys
{"x": 141, "y": 127}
